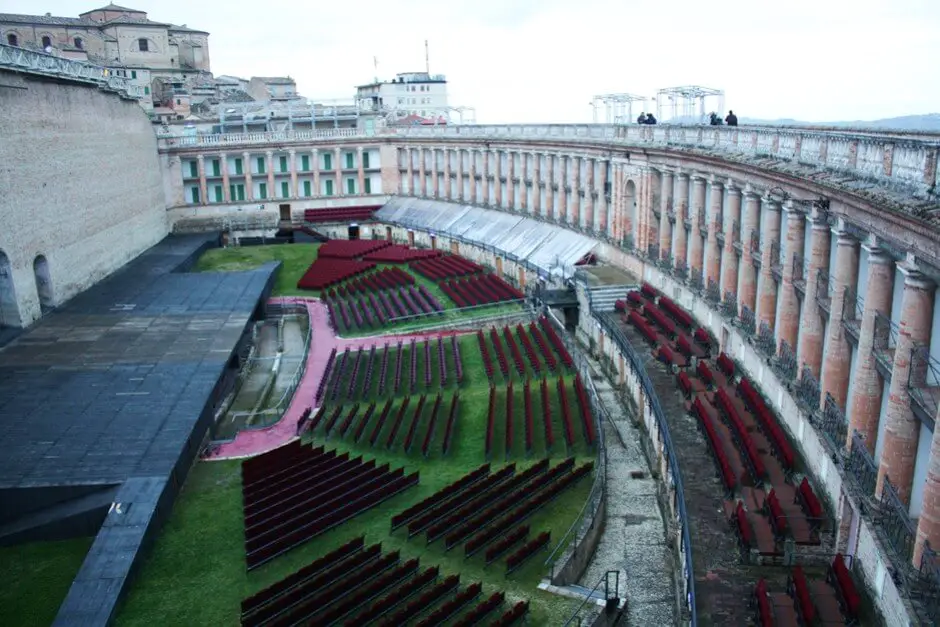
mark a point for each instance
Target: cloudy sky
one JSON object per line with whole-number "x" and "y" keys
{"x": 543, "y": 60}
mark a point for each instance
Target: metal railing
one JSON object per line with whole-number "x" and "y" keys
{"x": 652, "y": 252}
{"x": 609, "y": 323}
{"x": 776, "y": 262}
{"x": 861, "y": 467}
{"x": 34, "y": 62}
{"x": 930, "y": 571}
{"x": 923, "y": 380}
{"x": 765, "y": 341}
{"x": 681, "y": 270}
{"x": 799, "y": 273}
{"x": 785, "y": 364}
{"x": 695, "y": 279}
{"x": 756, "y": 248}
{"x": 587, "y": 518}
{"x": 883, "y": 343}
{"x": 896, "y": 523}
{"x": 807, "y": 390}
{"x": 824, "y": 289}
{"x": 713, "y": 291}
{"x": 729, "y": 306}
{"x": 748, "y": 321}
{"x": 735, "y": 233}
{"x": 576, "y": 619}
{"x": 833, "y": 424}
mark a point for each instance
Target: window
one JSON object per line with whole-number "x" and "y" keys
{"x": 260, "y": 165}
{"x": 237, "y": 191}
{"x": 218, "y": 193}
{"x": 306, "y": 188}
{"x": 142, "y": 45}
{"x": 194, "y": 194}
{"x": 133, "y": 73}
{"x": 327, "y": 161}
{"x": 178, "y": 101}
{"x": 367, "y": 183}
{"x": 79, "y": 43}
{"x": 305, "y": 163}
{"x": 350, "y": 186}
{"x": 285, "y": 189}
{"x": 193, "y": 169}
{"x": 365, "y": 159}
{"x": 238, "y": 165}
{"x": 146, "y": 91}
{"x": 46, "y": 41}
{"x": 283, "y": 162}
{"x": 329, "y": 188}
{"x": 263, "y": 190}
{"x": 12, "y": 40}
{"x": 216, "y": 168}
{"x": 349, "y": 161}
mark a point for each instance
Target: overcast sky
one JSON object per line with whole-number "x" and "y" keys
{"x": 543, "y": 60}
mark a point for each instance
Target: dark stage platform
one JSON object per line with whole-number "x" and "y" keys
{"x": 105, "y": 402}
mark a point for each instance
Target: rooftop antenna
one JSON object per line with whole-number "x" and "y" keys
{"x": 375, "y": 64}
{"x": 427, "y": 58}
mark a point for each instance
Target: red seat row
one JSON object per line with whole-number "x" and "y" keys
{"x": 556, "y": 341}
{"x": 675, "y": 312}
{"x": 643, "y": 326}
{"x": 702, "y": 337}
{"x": 743, "y": 526}
{"x": 770, "y": 425}
{"x": 479, "y": 289}
{"x": 704, "y": 373}
{"x": 798, "y": 588}
{"x": 350, "y": 248}
{"x": 727, "y": 477}
{"x": 398, "y": 253}
{"x": 325, "y": 272}
{"x": 685, "y": 383}
{"x": 839, "y": 575}
{"x": 620, "y": 306}
{"x": 339, "y": 214}
{"x": 744, "y": 437}
{"x": 684, "y": 345}
{"x": 810, "y": 503}
{"x": 649, "y": 291}
{"x": 445, "y": 267}
{"x": 726, "y": 365}
{"x": 778, "y": 518}
{"x": 653, "y": 313}
{"x": 634, "y": 298}
{"x": 765, "y": 616}
{"x": 666, "y": 355}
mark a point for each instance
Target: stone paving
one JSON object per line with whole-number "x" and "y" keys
{"x": 634, "y": 537}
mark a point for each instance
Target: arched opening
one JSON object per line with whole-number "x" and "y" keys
{"x": 9, "y": 310}
{"x": 13, "y": 40}
{"x": 46, "y": 42}
{"x": 43, "y": 283}
{"x": 629, "y": 205}
{"x": 79, "y": 43}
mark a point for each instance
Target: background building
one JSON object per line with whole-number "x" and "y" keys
{"x": 408, "y": 94}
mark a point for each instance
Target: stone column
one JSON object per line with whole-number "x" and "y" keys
{"x": 768, "y": 286}
{"x": 836, "y": 367}
{"x": 510, "y": 184}
{"x": 928, "y": 527}
{"x": 563, "y": 211}
{"x": 458, "y": 153}
{"x": 474, "y": 196}
{"x": 497, "y": 173}
{"x": 867, "y": 388}
{"x": 292, "y": 164}
{"x": 589, "y": 195}
{"x": 316, "y": 173}
{"x": 409, "y": 164}
{"x": 269, "y": 161}
{"x": 747, "y": 273}
{"x": 203, "y": 184}
{"x": 642, "y": 208}
{"x": 339, "y": 172}
{"x": 713, "y": 251}
{"x": 448, "y": 188}
{"x": 422, "y": 174}
{"x": 226, "y": 192}
{"x": 549, "y": 181}
{"x": 901, "y": 433}
{"x": 535, "y": 158}
{"x": 812, "y": 324}
{"x": 575, "y": 199}
{"x": 697, "y": 215}
{"x": 523, "y": 188}
{"x": 486, "y": 184}
{"x": 789, "y": 329}
{"x": 679, "y": 240}
{"x": 731, "y": 220}
{"x": 602, "y": 199}
{"x": 665, "y": 227}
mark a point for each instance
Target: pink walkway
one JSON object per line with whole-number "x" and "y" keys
{"x": 322, "y": 340}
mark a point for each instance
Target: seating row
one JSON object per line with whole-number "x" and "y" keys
{"x": 350, "y": 248}
{"x": 384, "y": 279}
{"x": 500, "y": 353}
{"x": 514, "y": 351}
{"x": 377, "y": 609}
{"x": 447, "y": 610}
{"x": 451, "y": 424}
{"x": 527, "y": 550}
{"x": 340, "y": 214}
{"x": 768, "y": 423}
{"x": 325, "y": 272}
{"x": 327, "y": 371}
{"x": 546, "y": 352}
{"x": 398, "y": 253}
{"x": 724, "y": 467}
{"x": 566, "y": 422}
{"x": 479, "y": 289}
{"x": 426, "y": 600}
{"x": 649, "y": 292}
{"x": 375, "y": 311}
{"x": 675, "y": 312}
{"x": 491, "y": 481}
{"x": 444, "y": 495}
{"x": 742, "y": 435}
{"x": 653, "y": 312}
{"x": 556, "y": 342}
{"x": 483, "y": 609}
{"x": 516, "y": 613}
{"x": 587, "y": 414}
{"x": 445, "y": 267}
{"x": 642, "y": 326}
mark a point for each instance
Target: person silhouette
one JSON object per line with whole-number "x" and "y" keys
{"x": 732, "y": 119}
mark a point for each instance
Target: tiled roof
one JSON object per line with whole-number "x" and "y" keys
{"x": 186, "y": 29}
{"x": 275, "y": 79}
{"x": 136, "y": 21}
{"x": 51, "y": 20}
{"x": 113, "y": 7}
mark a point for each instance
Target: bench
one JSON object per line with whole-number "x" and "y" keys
{"x": 807, "y": 499}
{"x": 685, "y": 384}
{"x": 705, "y": 373}
{"x": 798, "y": 590}
{"x": 726, "y": 365}
{"x": 778, "y": 518}
{"x": 727, "y": 477}
{"x": 743, "y": 527}
{"x": 765, "y": 617}
{"x": 841, "y": 579}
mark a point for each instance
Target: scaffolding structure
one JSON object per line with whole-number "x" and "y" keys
{"x": 689, "y": 104}
{"x": 617, "y": 108}
{"x": 437, "y": 114}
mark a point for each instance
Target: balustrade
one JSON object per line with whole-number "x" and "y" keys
{"x": 861, "y": 467}
{"x": 695, "y": 279}
{"x": 736, "y": 235}
{"x": 923, "y": 383}
{"x": 807, "y": 391}
{"x": 930, "y": 572}
{"x": 713, "y": 291}
{"x": 832, "y": 423}
{"x": 765, "y": 341}
{"x": 729, "y": 306}
{"x": 785, "y": 363}
{"x": 681, "y": 270}
{"x": 896, "y": 524}
{"x": 748, "y": 321}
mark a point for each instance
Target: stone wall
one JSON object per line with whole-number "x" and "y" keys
{"x": 81, "y": 188}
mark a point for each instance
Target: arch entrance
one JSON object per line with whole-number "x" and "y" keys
{"x": 9, "y": 310}
{"x": 43, "y": 283}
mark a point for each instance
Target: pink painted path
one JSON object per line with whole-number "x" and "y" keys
{"x": 323, "y": 340}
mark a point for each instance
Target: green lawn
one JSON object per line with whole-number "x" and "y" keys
{"x": 37, "y": 578}
{"x": 196, "y": 574}
{"x": 296, "y": 258}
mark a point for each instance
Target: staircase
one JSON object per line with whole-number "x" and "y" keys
{"x": 603, "y": 298}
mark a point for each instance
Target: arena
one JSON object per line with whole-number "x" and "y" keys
{"x": 731, "y": 331}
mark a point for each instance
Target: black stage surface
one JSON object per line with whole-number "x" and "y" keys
{"x": 105, "y": 402}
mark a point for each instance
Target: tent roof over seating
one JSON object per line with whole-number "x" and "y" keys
{"x": 548, "y": 247}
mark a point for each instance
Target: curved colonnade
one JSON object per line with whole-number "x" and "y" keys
{"x": 810, "y": 254}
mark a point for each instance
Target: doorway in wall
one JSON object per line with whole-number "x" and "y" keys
{"x": 353, "y": 231}
{"x": 9, "y": 312}
{"x": 285, "y": 212}
{"x": 43, "y": 283}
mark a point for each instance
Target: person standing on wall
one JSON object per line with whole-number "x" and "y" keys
{"x": 732, "y": 119}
